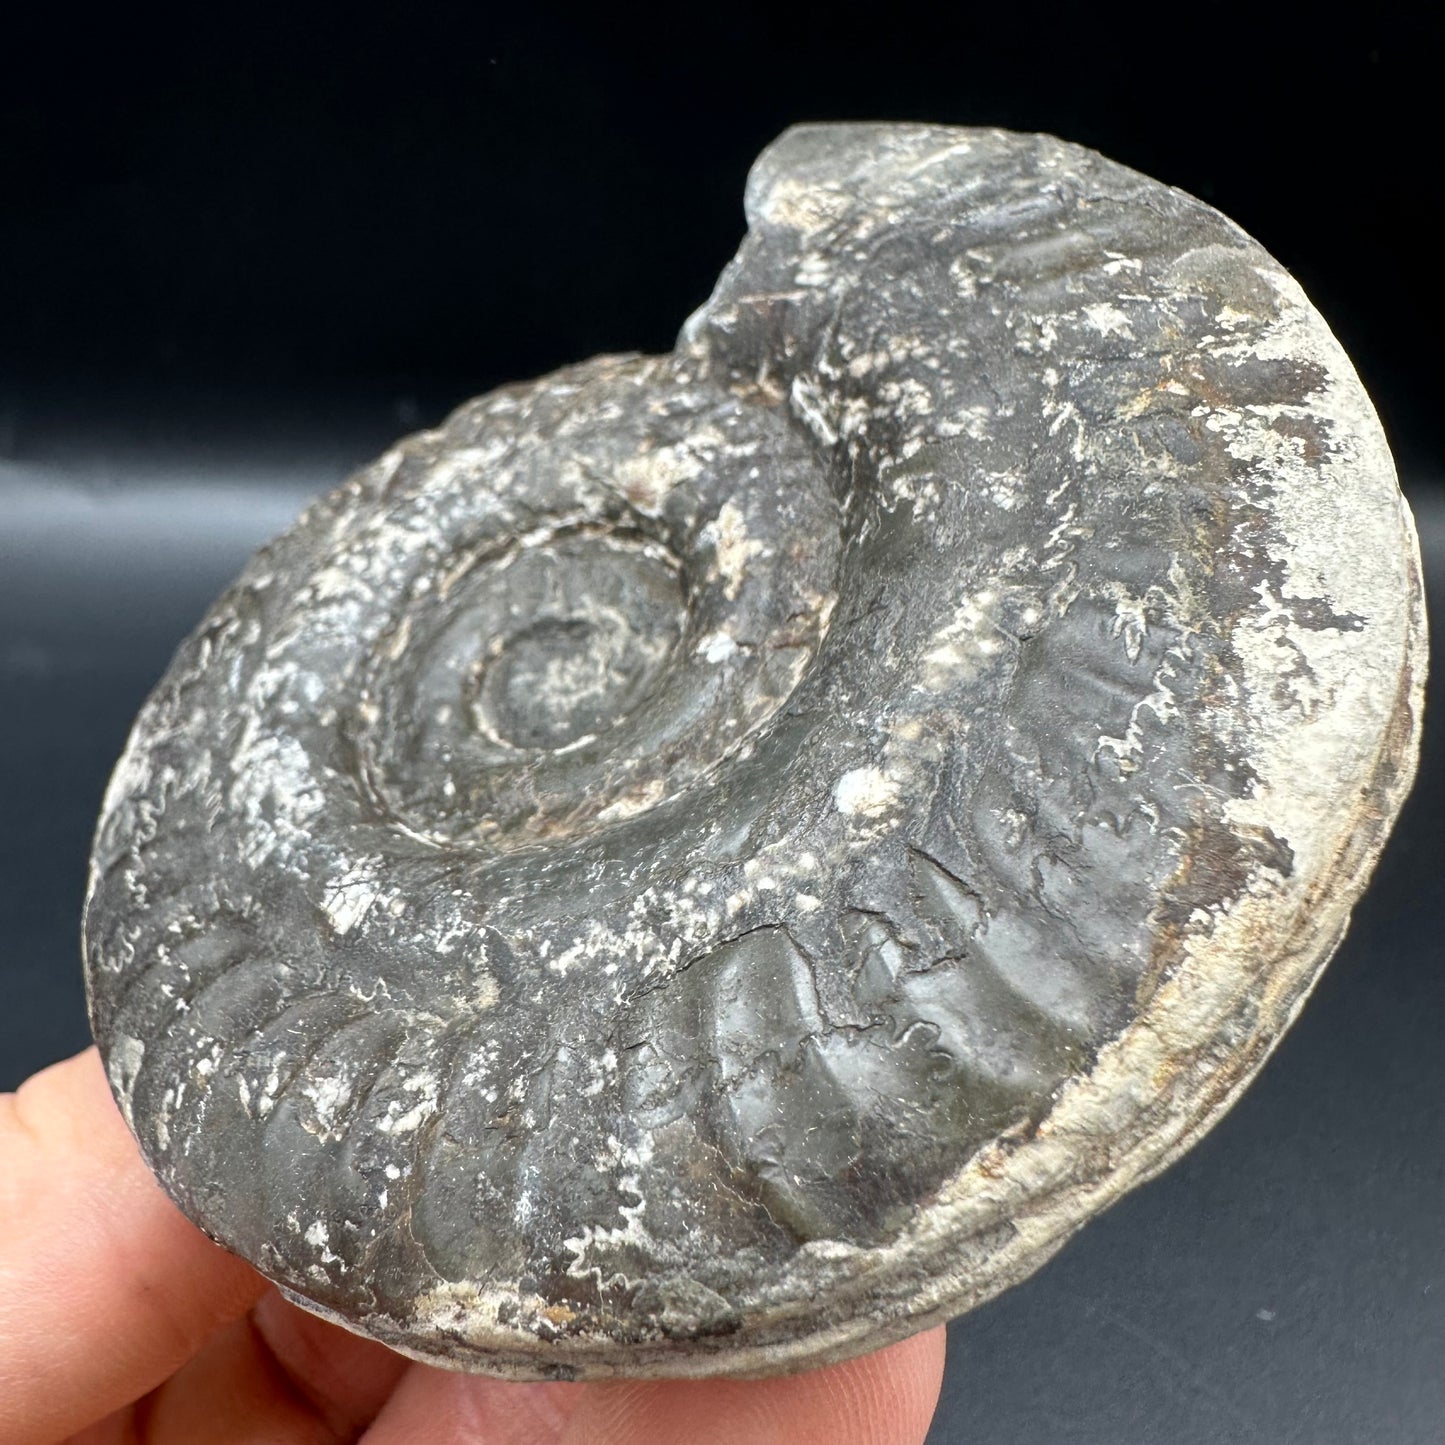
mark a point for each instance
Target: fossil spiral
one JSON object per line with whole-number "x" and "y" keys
{"x": 706, "y": 863}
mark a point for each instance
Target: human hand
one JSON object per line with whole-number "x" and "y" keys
{"x": 122, "y": 1324}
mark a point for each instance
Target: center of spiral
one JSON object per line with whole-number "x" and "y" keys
{"x": 563, "y": 680}
{"x": 589, "y": 625}
{"x": 608, "y": 622}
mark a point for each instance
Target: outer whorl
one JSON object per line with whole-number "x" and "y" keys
{"x": 708, "y": 863}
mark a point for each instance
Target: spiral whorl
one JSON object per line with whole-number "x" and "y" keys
{"x": 703, "y": 863}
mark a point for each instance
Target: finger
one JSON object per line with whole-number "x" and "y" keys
{"x": 280, "y": 1375}
{"x": 105, "y": 1288}
{"x": 344, "y": 1378}
{"x": 446, "y": 1408}
{"x": 887, "y": 1398}
{"x": 232, "y": 1393}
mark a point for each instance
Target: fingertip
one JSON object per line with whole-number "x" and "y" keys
{"x": 105, "y": 1287}
{"x": 884, "y": 1398}
{"x": 67, "y": 1103}
{"x": 444, "y": 1407}
{"x": 345, "y": 1378}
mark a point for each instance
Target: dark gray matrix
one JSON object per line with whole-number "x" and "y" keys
{"x": 710, "y": 862}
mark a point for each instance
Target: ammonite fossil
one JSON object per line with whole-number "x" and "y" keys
{"x": 707, "y": 863}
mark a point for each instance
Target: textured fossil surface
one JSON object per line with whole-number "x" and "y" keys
{"x": 707, "y": 863}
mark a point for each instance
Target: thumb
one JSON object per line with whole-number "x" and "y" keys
{"x": 105, "y": 1288}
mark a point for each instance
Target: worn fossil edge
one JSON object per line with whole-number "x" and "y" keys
{"x": 1154, "y": 1091}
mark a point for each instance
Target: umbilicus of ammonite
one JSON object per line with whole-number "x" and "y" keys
{"x": 709, "y": 863}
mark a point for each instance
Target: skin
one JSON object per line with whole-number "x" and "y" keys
{"x": 120, "y": 1323}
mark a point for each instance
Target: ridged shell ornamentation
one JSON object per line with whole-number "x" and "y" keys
{"x": 708, "y": 863}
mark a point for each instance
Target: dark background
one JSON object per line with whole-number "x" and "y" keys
{"x": 239, "y": 255}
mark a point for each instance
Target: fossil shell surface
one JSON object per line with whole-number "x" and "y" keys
{"x": 708, "y": 863}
